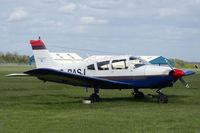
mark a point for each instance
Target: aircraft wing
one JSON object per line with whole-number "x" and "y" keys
{"x": 53, "y": 75}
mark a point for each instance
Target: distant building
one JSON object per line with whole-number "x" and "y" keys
{"x": 73, "y": 57}
{"x": 61, "y": 58}
{"x": 31, "y": 60}
{"x": 157, "y": 60}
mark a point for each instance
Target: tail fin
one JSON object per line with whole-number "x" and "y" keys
{"x": 42, "y": 56}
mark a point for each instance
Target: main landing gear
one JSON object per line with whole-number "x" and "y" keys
{"x": 161, "y": 97}
{"x": 138, "y": 94}
{"x": 95, "y": 97}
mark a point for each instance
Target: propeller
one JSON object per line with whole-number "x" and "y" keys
{"x": 184, "y": 82}
{"x": 167, "y": 61}
{"x": 178, "y": 74}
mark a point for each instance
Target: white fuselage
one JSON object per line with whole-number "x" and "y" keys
{"x": 113, "y": 66}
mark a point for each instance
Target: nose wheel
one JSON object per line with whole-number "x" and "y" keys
{"x": 161, "y": 97}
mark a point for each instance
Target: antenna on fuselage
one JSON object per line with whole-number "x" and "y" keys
{"x": 88, "y": 50}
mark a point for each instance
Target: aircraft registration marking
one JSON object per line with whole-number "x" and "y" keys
{"x": 77, "y": 71}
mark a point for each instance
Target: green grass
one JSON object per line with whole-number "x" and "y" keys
{"x": 28, "y": 105}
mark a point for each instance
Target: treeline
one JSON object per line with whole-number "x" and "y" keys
{"x": 13, "y": 58}
{"x": 183, "y": 64}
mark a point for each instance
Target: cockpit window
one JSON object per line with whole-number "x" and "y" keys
{"x": 133, "y": 58}
{"x": 138, "y": 59}
{"x": 91, "y": 67}
{"x": 138, "y": 65}
{"x": 104, "y": 65}
{"x": 136, "y": 62}
{"x": 119, "y": 64}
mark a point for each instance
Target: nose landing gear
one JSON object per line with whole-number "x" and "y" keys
{"x": 161, "y": 97}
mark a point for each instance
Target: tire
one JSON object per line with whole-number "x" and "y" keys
{"x": 162, "y": 99}
{"x": 94, "y": 98}
{"x": 139, "y": 95}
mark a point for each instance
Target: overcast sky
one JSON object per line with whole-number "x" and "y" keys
{"x": 140, "y": 27}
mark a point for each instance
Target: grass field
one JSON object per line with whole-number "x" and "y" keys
{"x": 28, "y": 105}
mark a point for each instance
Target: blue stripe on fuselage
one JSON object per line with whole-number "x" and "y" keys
{"x": 158, "y": 81}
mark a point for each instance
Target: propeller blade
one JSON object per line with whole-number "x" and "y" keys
{"x": 184, "y": 82}
{"x": 169, "y": 64}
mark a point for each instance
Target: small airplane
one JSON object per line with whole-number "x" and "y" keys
{"x": 105, "y": 72}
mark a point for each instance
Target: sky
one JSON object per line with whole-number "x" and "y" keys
{"x": 170, "y": 28}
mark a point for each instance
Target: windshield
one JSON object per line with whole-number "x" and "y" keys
{"x": 137, "y": 60}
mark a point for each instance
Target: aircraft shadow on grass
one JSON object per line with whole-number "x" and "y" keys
{"x": 78, "y": 99}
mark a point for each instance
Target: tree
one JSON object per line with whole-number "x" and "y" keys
{"x": 13, "y": 58}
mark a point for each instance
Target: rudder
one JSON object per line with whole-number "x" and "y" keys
{"x": 42, "y": 56}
